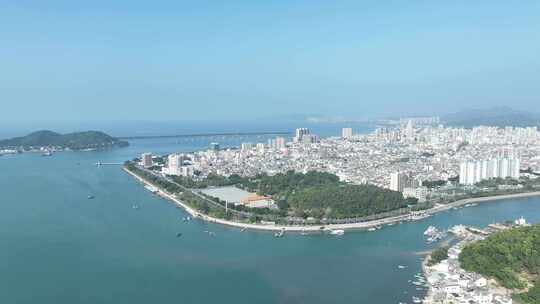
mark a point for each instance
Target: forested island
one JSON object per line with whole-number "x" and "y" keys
{"x": 512, "y": 257}
{"x": 87, "y": 140}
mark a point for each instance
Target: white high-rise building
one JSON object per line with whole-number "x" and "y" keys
{"x": 146, "y": 160}
{"x": 300, "y": 133}
{"x": 503, "y": 168}
{"x": 187, "y": 170}
{"x": 408, "y": 131}
{"x": 473, "y": 172}
{"x": 174, "y": 163}
{"x": 400, "y": 181}
{"x": 246, "y": 146}
{"x": 470, "y": 173}
{"x": 346, "y": 133}
{"x": 463, "y": 169}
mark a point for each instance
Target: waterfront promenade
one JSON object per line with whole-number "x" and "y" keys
{"x": 313, "y": 228}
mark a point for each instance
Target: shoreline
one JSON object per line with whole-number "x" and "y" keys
{"x": 315, "y": 228}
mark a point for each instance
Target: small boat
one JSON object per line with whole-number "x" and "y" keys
{"x": 135, "y": 207}
{"x": 210, "y": 233}
{"x": 401, "y": 267}
{"x": 280, "y": 233}
{"x": 91, "y": 197}
{"x": 416, "y": 300}
{"x": 337, "y": 232}
{"x": 431, "y": 230}
{"x": 243, "y": 229}
{"x": 372, "y": 229}
{"x": 46, "y": 153}
{"x": 179, "y": 234}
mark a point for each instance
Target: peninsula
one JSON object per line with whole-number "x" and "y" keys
{"x": 351, "y": 181}
{"x": 49, "y": 140}
{"x": 207, "y": 209}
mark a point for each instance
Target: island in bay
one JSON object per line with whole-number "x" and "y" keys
{"x": 51, "y": 141}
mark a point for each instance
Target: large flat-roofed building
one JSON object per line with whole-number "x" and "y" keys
{"x": 237, "y": 196}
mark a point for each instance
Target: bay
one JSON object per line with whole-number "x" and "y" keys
{"x": 57, "y": 246}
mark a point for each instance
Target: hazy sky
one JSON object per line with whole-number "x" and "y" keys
{"x": 199, "y": 60}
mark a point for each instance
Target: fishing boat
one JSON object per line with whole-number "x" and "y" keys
{"x": 91, "y": 197}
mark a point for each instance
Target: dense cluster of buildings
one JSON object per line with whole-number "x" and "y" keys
{"x": 399, "y": 158}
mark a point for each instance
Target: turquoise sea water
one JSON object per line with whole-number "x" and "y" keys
{"x": 57, "y": 246}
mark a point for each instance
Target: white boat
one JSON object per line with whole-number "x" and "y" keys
{"x": 337, "y": 232}
{"x": 416, "y": 300}
{"x": 401, "y": 267}
{"x": 431, "y": 230}
{"x": 372, "y": 229}
{"x": 280, "y": 233}
{"x": 521, "y": 222}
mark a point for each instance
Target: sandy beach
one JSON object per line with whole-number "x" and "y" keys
{"x": 312, "y": 228}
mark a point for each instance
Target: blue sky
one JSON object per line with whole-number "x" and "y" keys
{"x": 237, "y": 60}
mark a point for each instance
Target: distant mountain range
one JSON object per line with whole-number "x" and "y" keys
{"x": 74, "y": 141}
{"x": 497, "y": 117}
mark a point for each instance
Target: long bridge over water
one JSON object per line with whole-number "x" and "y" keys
{"x": 206, "y": 135}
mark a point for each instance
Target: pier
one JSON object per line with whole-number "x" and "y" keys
{"x": 107, "y": 164}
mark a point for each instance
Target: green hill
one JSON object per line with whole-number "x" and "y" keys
{"x": 73, "y": 141}
{"x": 496, "y": 117}
{"x": 512, "y": 257}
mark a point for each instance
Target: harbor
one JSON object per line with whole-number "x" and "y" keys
{"x": 448, "y": 282}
